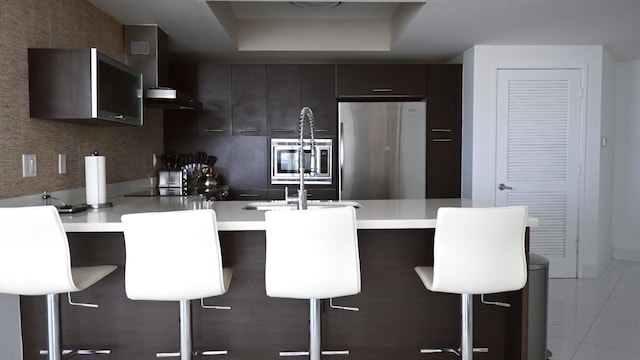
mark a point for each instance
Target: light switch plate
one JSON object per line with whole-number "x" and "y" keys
{"x": 29, "y": 165}
{"x": 62, "y": 164}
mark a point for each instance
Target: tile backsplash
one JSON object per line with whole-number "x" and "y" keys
{"x": 62, "y": 24}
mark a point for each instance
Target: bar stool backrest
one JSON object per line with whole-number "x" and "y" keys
{"x": 312, "y": 254}
{"x": 34, "y": 252}
{"x": 173, "y": 255}
{"x": 480, "y": 250}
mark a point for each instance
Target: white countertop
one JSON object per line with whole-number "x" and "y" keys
{"x": 374, "y": 214}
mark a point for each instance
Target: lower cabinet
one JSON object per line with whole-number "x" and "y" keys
{"x": 248, "y": 194}
{"x": 313, "y": 193}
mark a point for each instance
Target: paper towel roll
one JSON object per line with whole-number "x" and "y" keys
{"x": 95, "y": 179}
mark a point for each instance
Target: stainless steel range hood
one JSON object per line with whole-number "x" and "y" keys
{"x": 146, "y": 48}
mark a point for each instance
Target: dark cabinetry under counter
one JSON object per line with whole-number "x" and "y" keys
{"x": 381, "y": 80}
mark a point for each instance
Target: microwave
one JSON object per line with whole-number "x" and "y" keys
{"x": 285, "y": 161}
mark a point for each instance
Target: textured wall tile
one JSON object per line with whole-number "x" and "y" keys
{"x": 62, "y": 23}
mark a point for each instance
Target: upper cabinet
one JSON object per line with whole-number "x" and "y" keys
{"x": 444, "y": 100}
{"x": 381, "y": 80}
{"x": 249, "y": 99}
{"x": 83, "y": 86}
{"x": 214, "y": 91}
{"x": 292, "y": 87}
{"x": 444, "y": 122}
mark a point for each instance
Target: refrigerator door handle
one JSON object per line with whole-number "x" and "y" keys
{"x": 340, "y": 158}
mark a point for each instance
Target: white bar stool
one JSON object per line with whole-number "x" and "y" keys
{"x": 35, "y": 260}
{"x": 476, "y": 251}
{"x": 312, "y": 254}
{"x": 175, "y": 256}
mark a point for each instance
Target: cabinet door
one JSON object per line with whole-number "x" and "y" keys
{"x": 319, "y": 93}
{"x": 378, "y": 80}
{"x": 182, "y": 77}
{"x": 214, "y": 90}
{"x": 249, "y": 94}
{"x": 283, "y": 100}
{"x": 444, "y": 105}
{"x": 443, "y": 168}
{"x": 444, "y": 121}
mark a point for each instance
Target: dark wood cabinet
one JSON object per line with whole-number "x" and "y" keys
{"x": 444, "y": 123}
{"x": 381, "y": 80}
{"x": 249, "y": 99}
{"x": 283, "y": 100}
{"x": 182, "y": 77}
{"x": 316, "y": 192}
{"x": 214, "y": 91}
{"x": 444, "y": 95}
{"x": 319, "y": 93}
{"x": 291, "y": 87}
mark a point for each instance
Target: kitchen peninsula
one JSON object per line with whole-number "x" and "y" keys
{"x": 397, "y": 315}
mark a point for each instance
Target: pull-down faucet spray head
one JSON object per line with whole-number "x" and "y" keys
{"x": 305, "y": 113}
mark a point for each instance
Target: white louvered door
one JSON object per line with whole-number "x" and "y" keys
{"x": 537, "y": 157}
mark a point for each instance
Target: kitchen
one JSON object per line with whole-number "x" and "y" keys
{"x": 129, "y": 150}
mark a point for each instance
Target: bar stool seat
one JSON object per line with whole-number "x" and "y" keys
{"x": 312, "y": 254}
{"x": 476, "y": 251}
{"x": 175, "y": 256}
{"x": 35, "y": 260}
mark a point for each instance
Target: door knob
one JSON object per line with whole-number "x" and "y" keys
{"x": 504, "y": 187}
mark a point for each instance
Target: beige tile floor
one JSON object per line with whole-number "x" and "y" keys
{"x": 596, "y": 319}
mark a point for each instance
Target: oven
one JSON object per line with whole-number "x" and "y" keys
{"x": 284, "y": 161}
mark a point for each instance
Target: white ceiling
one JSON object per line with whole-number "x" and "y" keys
{"x": 435, "y": 31}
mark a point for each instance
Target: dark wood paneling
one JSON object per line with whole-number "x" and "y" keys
{"x": 397, "y": 314}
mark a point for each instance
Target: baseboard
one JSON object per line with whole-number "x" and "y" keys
{"x": 626, "y": 254}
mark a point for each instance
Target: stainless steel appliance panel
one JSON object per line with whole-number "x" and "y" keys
{"x": 382, "y": 150}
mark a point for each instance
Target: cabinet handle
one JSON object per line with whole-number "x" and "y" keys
{"x": 117, "y": 117}
{"x": 282, "y": 131}
{"x": 441, "y": 140}
{"x": 320, "y": 130}
{"x": 382, "y": 90}
{"x": 214, "y": 130}
{"x": 249, "y": 195}
{"x": 249, "y": 130}
{"x": 440, "y": 130}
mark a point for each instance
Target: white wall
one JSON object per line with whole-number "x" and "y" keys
{"x": 10, "y": 339}
{"x": 479, "y": 125}
{"x": 626, "y": 205}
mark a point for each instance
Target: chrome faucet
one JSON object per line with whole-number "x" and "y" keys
{"x": 302, "y": 193}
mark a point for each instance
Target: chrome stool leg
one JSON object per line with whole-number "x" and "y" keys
{"x": 466, "y": 349}
{"x": 186, "y": 342}
{"x": 53, "y": 327}
{"x": 54, "y": 342}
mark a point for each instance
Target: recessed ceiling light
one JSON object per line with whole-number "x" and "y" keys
{"x": 316, "y": 4}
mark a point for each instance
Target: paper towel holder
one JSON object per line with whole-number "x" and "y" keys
{"x": 99, "y": 205}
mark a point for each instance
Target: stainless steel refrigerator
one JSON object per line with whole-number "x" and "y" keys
{"x": 382, "y": 150}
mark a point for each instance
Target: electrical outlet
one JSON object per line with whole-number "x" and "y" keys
{"x": 62, "y": 164}
{"x": 29, "y": 165}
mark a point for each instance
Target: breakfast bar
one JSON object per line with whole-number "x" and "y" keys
{"x": 396, "y": 316}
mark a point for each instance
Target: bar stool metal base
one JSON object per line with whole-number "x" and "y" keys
{"x": 466, "y": 349}
{"x": 186, "y": 344}
{"x": 54, "y": 346}
{"x": 315, "y": 336}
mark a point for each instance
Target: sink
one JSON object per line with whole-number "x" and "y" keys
{"x": 311, "y": 204}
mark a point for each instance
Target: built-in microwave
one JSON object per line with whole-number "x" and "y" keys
{"x": 285, "y": 161}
